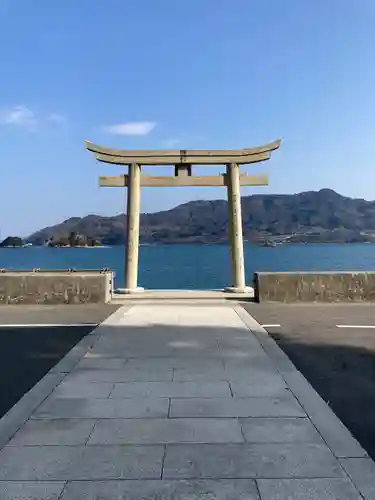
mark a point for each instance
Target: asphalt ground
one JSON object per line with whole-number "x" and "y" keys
{"x": 338, "y": 361}
{"x": 28, "y": 350}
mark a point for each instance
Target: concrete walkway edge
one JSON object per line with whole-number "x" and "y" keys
{"x": 336, "y": 435}
{"x": 355, "y": 461}
{"x": 13, "y": 420}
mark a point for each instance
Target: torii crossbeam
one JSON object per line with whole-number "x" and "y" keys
{"x": 183, "y": 159}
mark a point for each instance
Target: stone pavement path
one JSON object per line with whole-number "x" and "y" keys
{"x": 183, "y": 402}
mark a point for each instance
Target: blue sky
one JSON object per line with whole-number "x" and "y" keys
{"x": 182, "y": 74}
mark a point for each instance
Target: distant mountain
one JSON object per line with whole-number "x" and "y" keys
{"x": 314, "y": 215}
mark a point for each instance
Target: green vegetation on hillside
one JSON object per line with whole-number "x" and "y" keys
{"x": 313, "y": 216}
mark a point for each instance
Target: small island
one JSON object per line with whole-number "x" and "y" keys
{"x": 12, "y": 242}
{"x": 73, "y": 240}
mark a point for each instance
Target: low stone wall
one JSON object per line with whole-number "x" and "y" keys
{"x": 55, "y": 287}
{"x": 315, "y": 287}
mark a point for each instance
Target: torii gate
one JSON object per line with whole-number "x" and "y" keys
{"x": 183, "y": 161}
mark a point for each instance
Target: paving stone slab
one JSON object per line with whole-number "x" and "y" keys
{"x": 145, "y": 343}
{"x": 55, "y": 408}
{"x": 240, "y": 489}
{"x": 63, "y": 463}
{"x": 188, "y": 343}
{"x": 362, "y": 472}
{"x": 198, "y": 354}
{"x": 116, "y": 352}
{"x": 171, "y": 362}
{"x": 232, "y": 351}
{"x": 236, "y": 353}
{"x": 307, "y": 489}
{"x": 53, "y": 432}
{"x": 282, "y": 460}
{"x": 171, "y": 389}
{"x": 244, "y": 340}
{"x": 101, "y": 364}
{"x": 83, "y": 390}
{"x": 89, "y": 376}
{"x": 135, "y": 337}
{"x": 213, "y": 353}
{"x": 157, "y": 348}
{"x": 215, "y": 372}
{"x": 249, "y": 373}
{"x": 236, "y": 407}
{"x": 122, "y": 345}
{"x": 160, "y": 431}
{"x": 259, "y": 361}
{"x": 270, "y": 386}
{"x": 30, "y": 490}
{"x": 279, "y": 430}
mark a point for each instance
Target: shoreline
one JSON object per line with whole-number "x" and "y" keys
{"x": 219, "y": 243}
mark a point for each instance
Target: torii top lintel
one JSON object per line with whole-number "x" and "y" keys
{"x": 179, "y": 156}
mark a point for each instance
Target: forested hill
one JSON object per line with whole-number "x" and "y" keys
{"x": 330, "y": 216}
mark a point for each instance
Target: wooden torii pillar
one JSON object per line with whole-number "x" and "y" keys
{"x": 183, "y": 161}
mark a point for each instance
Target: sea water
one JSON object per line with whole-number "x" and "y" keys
{"x": 194, "y": 266}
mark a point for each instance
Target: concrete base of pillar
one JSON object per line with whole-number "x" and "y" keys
{"x": 127, "y": 291}
{"x": 233, "y": 289}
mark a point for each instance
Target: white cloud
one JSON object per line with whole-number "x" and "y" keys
{"x": 57, "y": 118}
{"x": 170, "y": 143}
{"x": 131, "y": 128}
{"x": 20, "y": 116}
